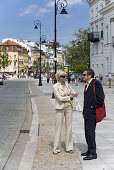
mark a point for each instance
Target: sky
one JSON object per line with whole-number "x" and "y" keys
{"x": 17, "y": 19}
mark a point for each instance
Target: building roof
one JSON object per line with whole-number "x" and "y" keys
{"x": 11, "y": 46}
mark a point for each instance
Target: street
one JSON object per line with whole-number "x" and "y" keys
{"x": 12, "y": 117}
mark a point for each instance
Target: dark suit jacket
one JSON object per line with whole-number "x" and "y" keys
{"x": 90, "y": 103}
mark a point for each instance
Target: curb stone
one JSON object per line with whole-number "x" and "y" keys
{"x": 28, "y": 155}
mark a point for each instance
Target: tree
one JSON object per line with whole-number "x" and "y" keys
{"x": 80, "y": 68}
{"x": 46, "y": 68}
{"x": 4, "y": 61}
{"x": 78, "y": 50}
{"x": 36, "y": 66}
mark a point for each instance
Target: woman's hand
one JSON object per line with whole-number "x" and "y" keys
{"x": 73, "y": 95}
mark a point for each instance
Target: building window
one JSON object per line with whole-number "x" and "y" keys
{"x": 101, "y": 30}
{"x": 96, "y": 28}
{"x": 6, "y": 48}
{"x": 101, "y": 47}
{"x": 101, "y": 5}
{"x": 107, "y": 2}
{"x": 15, "y": 56}
{"x": 92, "y": 29}
{"x": 96, "y": 48}
{"x": 92, "y": 14}
{"x": 107, "y": 34}
{"x": 92, "y": 49}
{"x": 96, "y": 11}
{"x": 15, "y": 64}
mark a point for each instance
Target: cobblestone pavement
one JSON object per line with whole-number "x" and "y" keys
{"x": 12, "y": 104}
{"x": 44, "y": 158}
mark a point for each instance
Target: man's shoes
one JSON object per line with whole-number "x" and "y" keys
{"x": 85, "y": 153}
{"x": 90, "y": 157}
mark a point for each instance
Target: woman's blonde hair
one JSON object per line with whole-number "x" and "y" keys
{"x": 60, "y": 73}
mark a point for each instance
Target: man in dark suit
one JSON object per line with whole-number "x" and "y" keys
{"x": 89, "y": 109}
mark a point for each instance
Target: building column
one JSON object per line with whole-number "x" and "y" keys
{"x": 112, "y": 47}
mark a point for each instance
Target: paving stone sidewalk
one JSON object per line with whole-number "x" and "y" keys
{"x": 44, "y": 158}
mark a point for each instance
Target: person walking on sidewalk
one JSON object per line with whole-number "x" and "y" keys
{"x": 89, "y": 109}
{"x": 109, "y": 79}
{"x": 63, "y": 105}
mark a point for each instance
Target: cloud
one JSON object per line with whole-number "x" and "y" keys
{"x": 70, "y": 2}
{"x": 28, "y": 10}
{"x": 42, "y": 11}
{"x": 74, "y": 2}
{"x": 33, "y": 9}
{"x": 50, "y": 4}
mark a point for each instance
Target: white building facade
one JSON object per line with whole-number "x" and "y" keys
{"x": 101, "y": 36}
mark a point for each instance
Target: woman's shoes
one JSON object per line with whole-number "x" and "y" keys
{"x": 70, "y": 151}
{"x": 56, "y": 152}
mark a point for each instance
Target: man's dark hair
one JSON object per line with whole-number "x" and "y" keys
{"x": 90, "y": 72}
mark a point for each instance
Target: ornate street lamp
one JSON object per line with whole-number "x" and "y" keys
{"x": 59, "y": 4}
{"x": 43, "y": 39}
{"x": 37, "y": 24}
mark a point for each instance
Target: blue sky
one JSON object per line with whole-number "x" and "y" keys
{"x": 17, "y": 19}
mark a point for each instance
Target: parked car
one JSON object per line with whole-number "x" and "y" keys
{"x": 1, "y": 80}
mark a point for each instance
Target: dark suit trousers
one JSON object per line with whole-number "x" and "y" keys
{"x": 90, "y": 126}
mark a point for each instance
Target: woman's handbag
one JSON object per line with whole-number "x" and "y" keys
{"x": 75, "y": 103}
{"x": 100, "y": 111}
{"x": 107, "y": 83}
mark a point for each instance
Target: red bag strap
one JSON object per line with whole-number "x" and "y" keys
{"x": 94, "y": 89}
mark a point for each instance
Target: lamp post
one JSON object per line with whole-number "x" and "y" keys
{"x": 59, "y": 4}
{"x": 18, "y": 66}
{"x": 37, "y": 24}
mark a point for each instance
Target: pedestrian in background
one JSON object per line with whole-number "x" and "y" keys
{"x": 48, "y": 78}
{"x": 76, "y": 80}
{"x": 73, "y": 78}
{"x": 109, "y": 79}
{"x": 63, "y": 105}
{"x": 68, "y": 78}
{"x": 100, "y": 78}
{"x": 89, "y": 109}
{"x": 53, "y": 77}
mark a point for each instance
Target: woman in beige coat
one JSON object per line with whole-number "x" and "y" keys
{"x": 63, "y": 105}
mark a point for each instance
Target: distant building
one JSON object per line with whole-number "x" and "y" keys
{"x": 18, "y": 56}
{"x": 50, "y": 57}
{"x": 47, "y": 53}
{"x": 101, "y": 36}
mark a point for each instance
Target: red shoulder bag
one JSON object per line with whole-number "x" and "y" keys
{"x": 100, "y": 111}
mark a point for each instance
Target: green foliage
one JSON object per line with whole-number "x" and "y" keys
{"x": 80, "y": 68}
{"x": 46, "y": 68}
{"x": 4, "y": 60}
{"x": 36, "y": 66}
{"x": 59, "y": 66}
{"x": 78, "y": 50}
